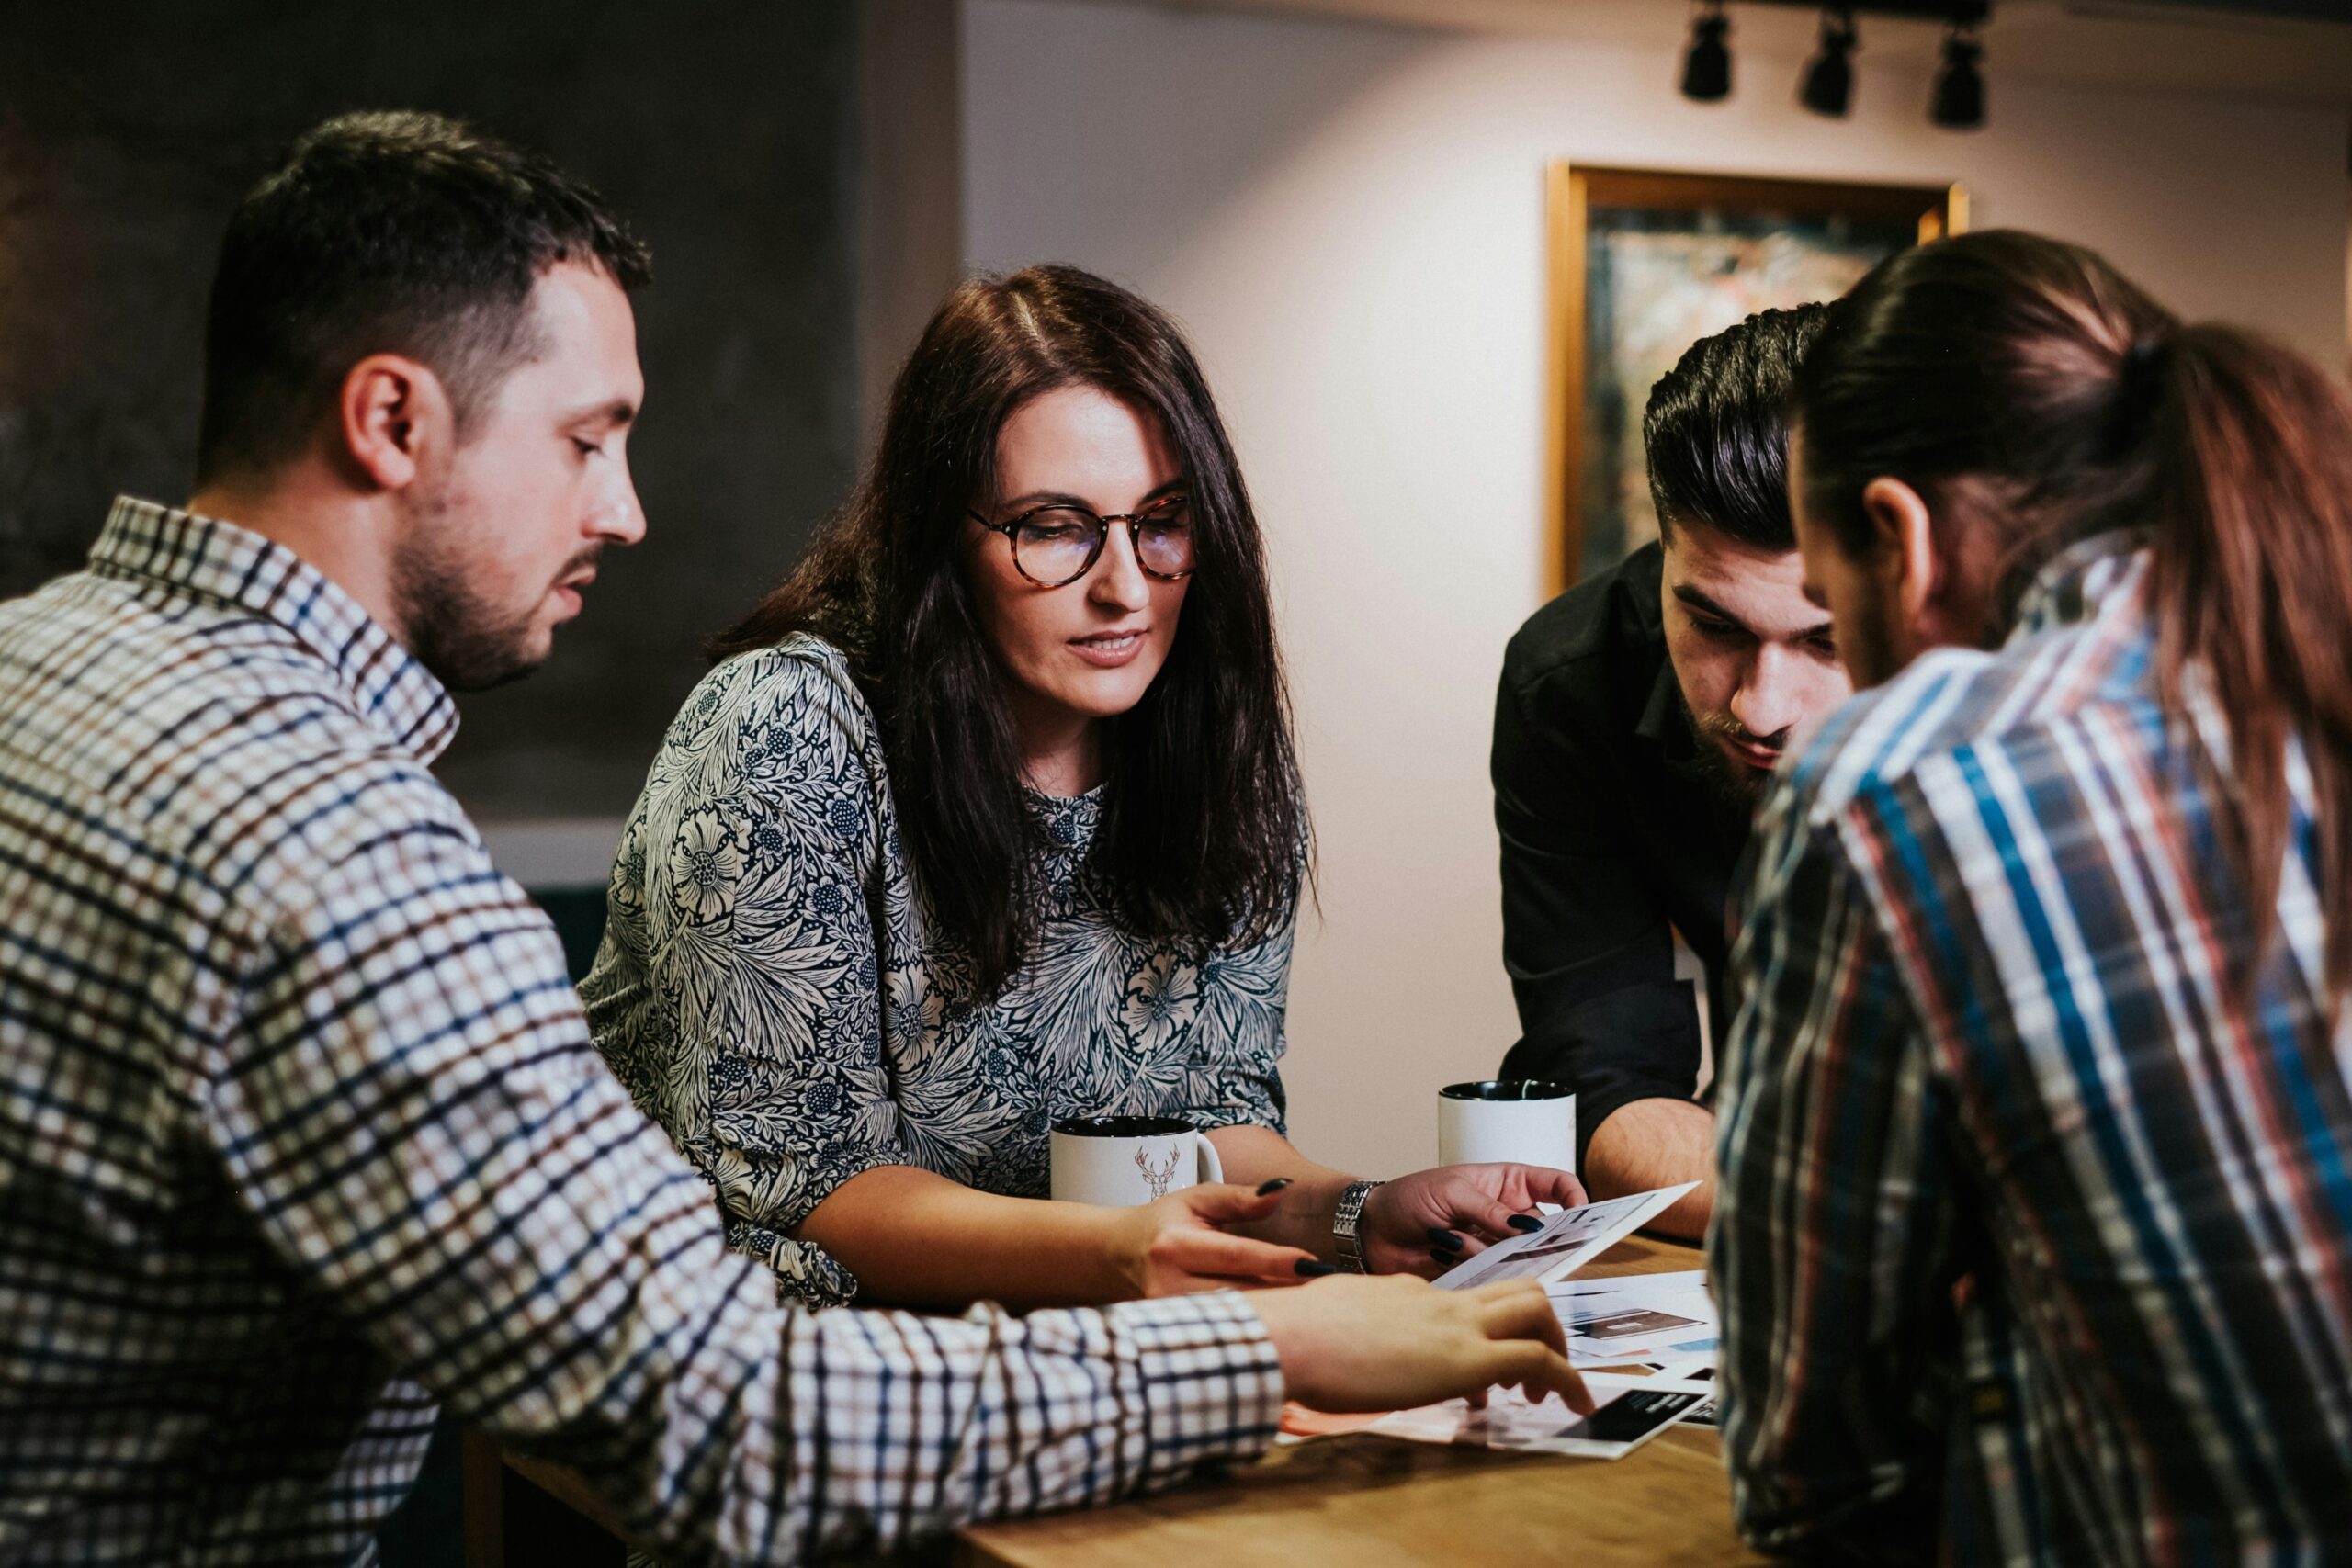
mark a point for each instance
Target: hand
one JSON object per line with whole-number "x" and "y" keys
{"x": 1407, "y": 1223}
{"x": 1360, "y": 1344}
{"x": 1173, "y": 1247}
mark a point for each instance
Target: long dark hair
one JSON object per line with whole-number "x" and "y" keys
{"x": 2037, "y": 370}
{"x": 1202, "y": 818}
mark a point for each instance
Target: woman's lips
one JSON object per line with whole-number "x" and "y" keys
{"x": 1108, "y": 652}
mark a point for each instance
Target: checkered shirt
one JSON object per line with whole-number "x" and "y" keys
{"x": 301, "y": 1133}
{"x": 2034, "y": 1245}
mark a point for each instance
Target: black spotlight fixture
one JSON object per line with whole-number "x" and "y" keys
{"x": 1959, "y": 101}
{"x": 1706, "y": 69}
{"x": 1828, "y": 86}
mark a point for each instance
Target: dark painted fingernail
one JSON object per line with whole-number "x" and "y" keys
{"x": 1525, "y": 1223}
{"x": 1313, "y": 1267}
{"x": 1268, "y": 1188}
{"x": 1444, "y": 1259}
{"x": 1446, "y": 1239}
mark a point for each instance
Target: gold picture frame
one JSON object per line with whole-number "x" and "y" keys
{"x": 1778, "y": 212}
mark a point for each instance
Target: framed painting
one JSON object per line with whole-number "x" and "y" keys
{"x": 1644, "y": 264}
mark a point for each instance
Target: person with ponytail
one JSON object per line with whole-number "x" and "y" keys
{"x": 989, "y": 817}
{"x": 2034, "y": 1238}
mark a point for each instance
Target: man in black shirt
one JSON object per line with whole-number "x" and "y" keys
{"x": 1639, "y": 713}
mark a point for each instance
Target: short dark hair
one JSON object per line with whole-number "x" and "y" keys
{"x": 1716, "y": 429}
{"x": 386, "y": 232}
{"x": 1204, "y": 820}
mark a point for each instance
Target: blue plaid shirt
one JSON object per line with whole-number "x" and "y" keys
{"x": 2031, "y": 1246}
{"x": 301, "y": 1132}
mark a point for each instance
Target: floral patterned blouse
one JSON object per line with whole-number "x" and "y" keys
{"x": 771, "y": 991}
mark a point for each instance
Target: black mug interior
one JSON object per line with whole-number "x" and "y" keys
{"x": 1507, "y": 1088}
{"x": 1121, "y": 1126}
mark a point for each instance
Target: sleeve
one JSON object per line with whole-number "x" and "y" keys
{"x": 1587, "y": 945}
{"x": 750, "y": 867}
{"x": 1828, "y": 1251}
{"x": 416, "y": 1120}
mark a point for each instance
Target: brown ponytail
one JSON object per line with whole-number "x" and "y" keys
{"x": 2033, "y": 367}
{"x": 2253, "y": 580}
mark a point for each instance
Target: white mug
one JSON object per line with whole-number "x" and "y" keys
{"x": 1522, "y": 1121}
{"x": 1123, "y": 1160}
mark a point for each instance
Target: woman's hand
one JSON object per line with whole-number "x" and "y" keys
{"x": 1426, "y": 1223}
{"x": 1352, "y": 1344}
{"x": 1173, "y": 1247}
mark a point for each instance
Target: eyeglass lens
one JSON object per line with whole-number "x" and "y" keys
{"x": 1057, "y": 545}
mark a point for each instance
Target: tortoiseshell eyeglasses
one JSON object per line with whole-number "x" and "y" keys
{"x": 1056, "y": 545}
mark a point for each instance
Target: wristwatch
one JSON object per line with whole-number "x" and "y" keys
{"x": 1345, "y": 1216}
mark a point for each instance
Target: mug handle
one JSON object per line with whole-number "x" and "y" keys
{"x": 1212, "y": 1167}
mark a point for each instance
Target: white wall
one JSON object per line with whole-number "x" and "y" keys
{"x": 1348, "y": 219}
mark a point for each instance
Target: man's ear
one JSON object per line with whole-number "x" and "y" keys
{"x": 393, "y": 418}
{"x": 1905, "y": 540}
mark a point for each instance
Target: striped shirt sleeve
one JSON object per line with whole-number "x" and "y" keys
{"x": 413, "y": 1114}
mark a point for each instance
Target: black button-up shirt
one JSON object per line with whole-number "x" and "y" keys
{"x": 1612, "y": 838}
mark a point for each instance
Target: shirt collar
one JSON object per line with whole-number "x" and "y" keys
{"x": 2084, "y": 581}
{"x": 205, "y": 558}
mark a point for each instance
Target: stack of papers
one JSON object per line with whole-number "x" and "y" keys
{"x": 1657, "y": 1320}
{"x": 1628, "y": 1412}
{"x": 1656, "y": 1331}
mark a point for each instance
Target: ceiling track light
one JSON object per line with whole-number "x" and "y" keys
{"x": 1957, "y": 103}
{"x": 1706, "y": 68}
{"x": 1829, "y": 84}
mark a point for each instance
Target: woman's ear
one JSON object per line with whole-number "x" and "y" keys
{"x": 1904, "y": 536}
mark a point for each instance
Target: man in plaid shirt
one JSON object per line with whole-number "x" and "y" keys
{"x": 2034, "y": 1245}
{"x": 300, "y": 1131}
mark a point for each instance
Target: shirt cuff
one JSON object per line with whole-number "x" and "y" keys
{"x": 1212, "y": 1384}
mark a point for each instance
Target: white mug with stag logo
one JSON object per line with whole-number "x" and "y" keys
{"x": 1122, "y": 1160}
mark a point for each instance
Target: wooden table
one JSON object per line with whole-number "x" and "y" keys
{"x": 1368, "y": 1502}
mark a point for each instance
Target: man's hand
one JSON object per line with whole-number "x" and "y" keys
{"x": 1365, "y": 1344}
{"x": 1426, "y": 1223}
{"x": 1173, "y": 1246}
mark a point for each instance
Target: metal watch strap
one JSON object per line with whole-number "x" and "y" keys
{"x": 1346, "y": 1215}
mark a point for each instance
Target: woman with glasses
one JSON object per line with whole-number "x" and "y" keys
{"x": 988, "y": 818}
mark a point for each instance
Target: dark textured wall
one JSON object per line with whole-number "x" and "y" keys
{"x": 724, "y": 130}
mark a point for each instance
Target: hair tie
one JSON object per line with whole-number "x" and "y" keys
{"x": 2139, "y": 383}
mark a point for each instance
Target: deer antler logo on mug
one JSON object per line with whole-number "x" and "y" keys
{"x": 1119, "y": 1160}
{"x": 1157, "y": 1176}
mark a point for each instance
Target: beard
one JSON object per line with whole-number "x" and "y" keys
{"x": 469, "y": 643}
{"x": 1734, "y": 785}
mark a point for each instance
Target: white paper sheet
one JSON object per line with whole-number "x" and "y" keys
{"x": 1568, "y": 1240}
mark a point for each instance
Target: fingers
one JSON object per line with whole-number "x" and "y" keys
{"x": 1224, "y": 1257}
{"x": 1518, "y": 1309}
{"x": 1223, "y": 1203}
{"x": 1494, "y": 1218}
{"x": 1448, "y": 1250}
{"x": 1545, "y": 1185}
{"x": 1541, "y": 1371}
